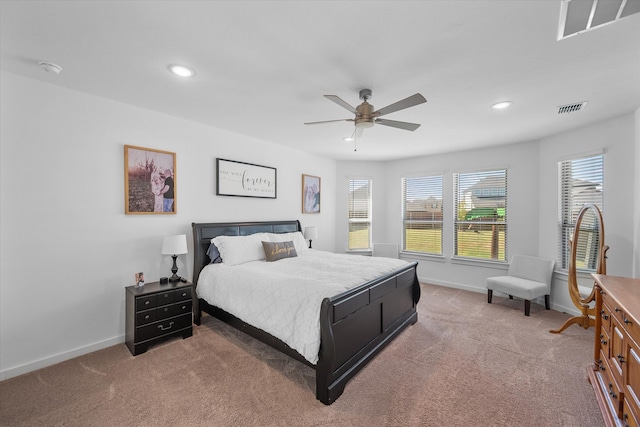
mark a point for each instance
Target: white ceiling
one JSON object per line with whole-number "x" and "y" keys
{"x": 263, "y": 66}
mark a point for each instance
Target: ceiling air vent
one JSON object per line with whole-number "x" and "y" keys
{"x": 578, "y": 16}
{"x": 571, "y": 108}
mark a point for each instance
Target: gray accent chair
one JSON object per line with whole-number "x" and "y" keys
{"x": 528, "y": 278}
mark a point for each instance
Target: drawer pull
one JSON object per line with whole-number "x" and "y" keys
{"x": 617, "y": 309}
{"x": 603, "y": 315}
{"x": 166, "y": 329}
{"x": 620, "y": 358}
{"x": 627, "y": 321}
{"x": 611, "y": 392}
{"x": 184, "y": 294}
{"x": 147, "y": 302}
{"x": 601, "y": 365}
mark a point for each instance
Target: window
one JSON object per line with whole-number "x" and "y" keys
{"x": 422, "y": 214}
{"x": 581, "y": 182}
{"x": 481, "y": 215}
{"x": 359, "y": 205}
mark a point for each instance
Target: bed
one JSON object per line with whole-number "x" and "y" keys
{"x": 355, "y": 325}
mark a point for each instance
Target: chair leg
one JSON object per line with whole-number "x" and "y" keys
{"x": 547, "y": 305}
{"x": 527, "y": 307}
{"x": 489, "y": 295}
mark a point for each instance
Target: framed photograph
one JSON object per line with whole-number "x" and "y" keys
{"x": 245, "y": 179}
{"x": 149, "y": 181}
{"x": 310, "y": 194}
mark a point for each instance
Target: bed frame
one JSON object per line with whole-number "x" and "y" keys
{"x": 354, "y": 325}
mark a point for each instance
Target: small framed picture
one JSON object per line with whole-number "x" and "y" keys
{"x": 310, "y": 194}
{"x": 140, "y": 279}
{"x": 149, "y": 181}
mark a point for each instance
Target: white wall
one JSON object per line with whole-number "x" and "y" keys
{"x": 616, "y": 139}
{"x": 375, "y": 171}
{"x": 68, "y": 250}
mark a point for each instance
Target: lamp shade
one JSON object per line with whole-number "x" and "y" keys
{"x": 174, "y": 245}
{"x": 311, "y": 233}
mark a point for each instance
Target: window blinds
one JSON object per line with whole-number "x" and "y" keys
{"x": 422, "y": 214}
{"x": 581, "y": 182}
{"x": 481, "y": 215}
{"x": 359, "y": 205}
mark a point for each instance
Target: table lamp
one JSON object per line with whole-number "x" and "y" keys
{"x": 310, "y": 233}
{"x": 174, "y": 246}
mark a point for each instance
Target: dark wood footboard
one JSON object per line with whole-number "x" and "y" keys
{"x": 356, "y": 325}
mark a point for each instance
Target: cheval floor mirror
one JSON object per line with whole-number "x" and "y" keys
{"x": 587, "y": 253}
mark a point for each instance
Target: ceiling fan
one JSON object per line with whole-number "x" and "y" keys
{"x": 365, "y": 116}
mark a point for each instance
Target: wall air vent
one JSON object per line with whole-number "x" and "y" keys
{"x": 577, "y": 16}
{"x": 572, "y": 108}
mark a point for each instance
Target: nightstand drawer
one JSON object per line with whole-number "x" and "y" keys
{"x": 173, "y": 309}
{"x": 146, "y": 316}
{"x": 145, "y": 302}
{"x": 163, "y": 327}
{"x": 183, "y": 294}
{"x": 166, "y": 297}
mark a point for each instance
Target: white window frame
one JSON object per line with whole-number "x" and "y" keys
{"x": 580, "y": 181}
{"x": 351, "y": 183}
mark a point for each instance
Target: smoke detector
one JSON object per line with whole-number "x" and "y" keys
{"x": 51, "y": 67}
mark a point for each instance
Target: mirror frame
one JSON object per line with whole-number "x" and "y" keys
{"x": 588, "y": 312}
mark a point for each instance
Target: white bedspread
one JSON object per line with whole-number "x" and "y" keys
{"x": 283, "y": 297}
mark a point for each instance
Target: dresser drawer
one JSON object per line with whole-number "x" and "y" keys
{"x": 167, "y": 326}
{"x": 622, "y": 316}
{"x": 628, "y": 415}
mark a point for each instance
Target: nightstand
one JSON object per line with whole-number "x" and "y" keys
{"x": 155, "y": 312}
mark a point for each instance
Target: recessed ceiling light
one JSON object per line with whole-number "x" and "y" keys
{"x": 181, "y": 71}
{"x": 50, "y": 67}
{"x": 501, "y": 105}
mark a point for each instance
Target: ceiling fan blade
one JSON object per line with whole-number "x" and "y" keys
{"x": 400, "y": 105}
{"x": 399, "y": 125}
{"x": 329, "y": 121}
{"x": 341, "y": 102}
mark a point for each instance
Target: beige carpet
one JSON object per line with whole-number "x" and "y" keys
{"x": 465, "y": 363}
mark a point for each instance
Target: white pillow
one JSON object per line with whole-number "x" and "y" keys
{"x": 296, "y": 237}
{"x": 236, "y": 250}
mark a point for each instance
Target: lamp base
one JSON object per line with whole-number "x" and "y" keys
{"x": 174, "y": 279}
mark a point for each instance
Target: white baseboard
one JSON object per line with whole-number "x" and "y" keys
{"x": 61, "y": 357}
{"x": 572, "y": 311}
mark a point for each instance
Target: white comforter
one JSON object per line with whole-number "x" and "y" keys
{"x": 283, "y": 297}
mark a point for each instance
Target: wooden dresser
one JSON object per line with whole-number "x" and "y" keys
{"x": 615, "y": 375}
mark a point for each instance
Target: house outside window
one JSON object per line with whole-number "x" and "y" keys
{"x": 481, "y": 215}
{"x": 359, "y": 206}
{"x": 422, "y": 214}
{"x": 581, "y": 181}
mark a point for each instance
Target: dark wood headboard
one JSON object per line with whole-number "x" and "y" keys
{"x": 204, "y": 232}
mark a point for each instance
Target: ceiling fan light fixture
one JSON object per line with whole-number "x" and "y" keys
{"x": 364, "y": 123}
{"x": 181, "y": 70}
{"x": 501, "y": 105}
